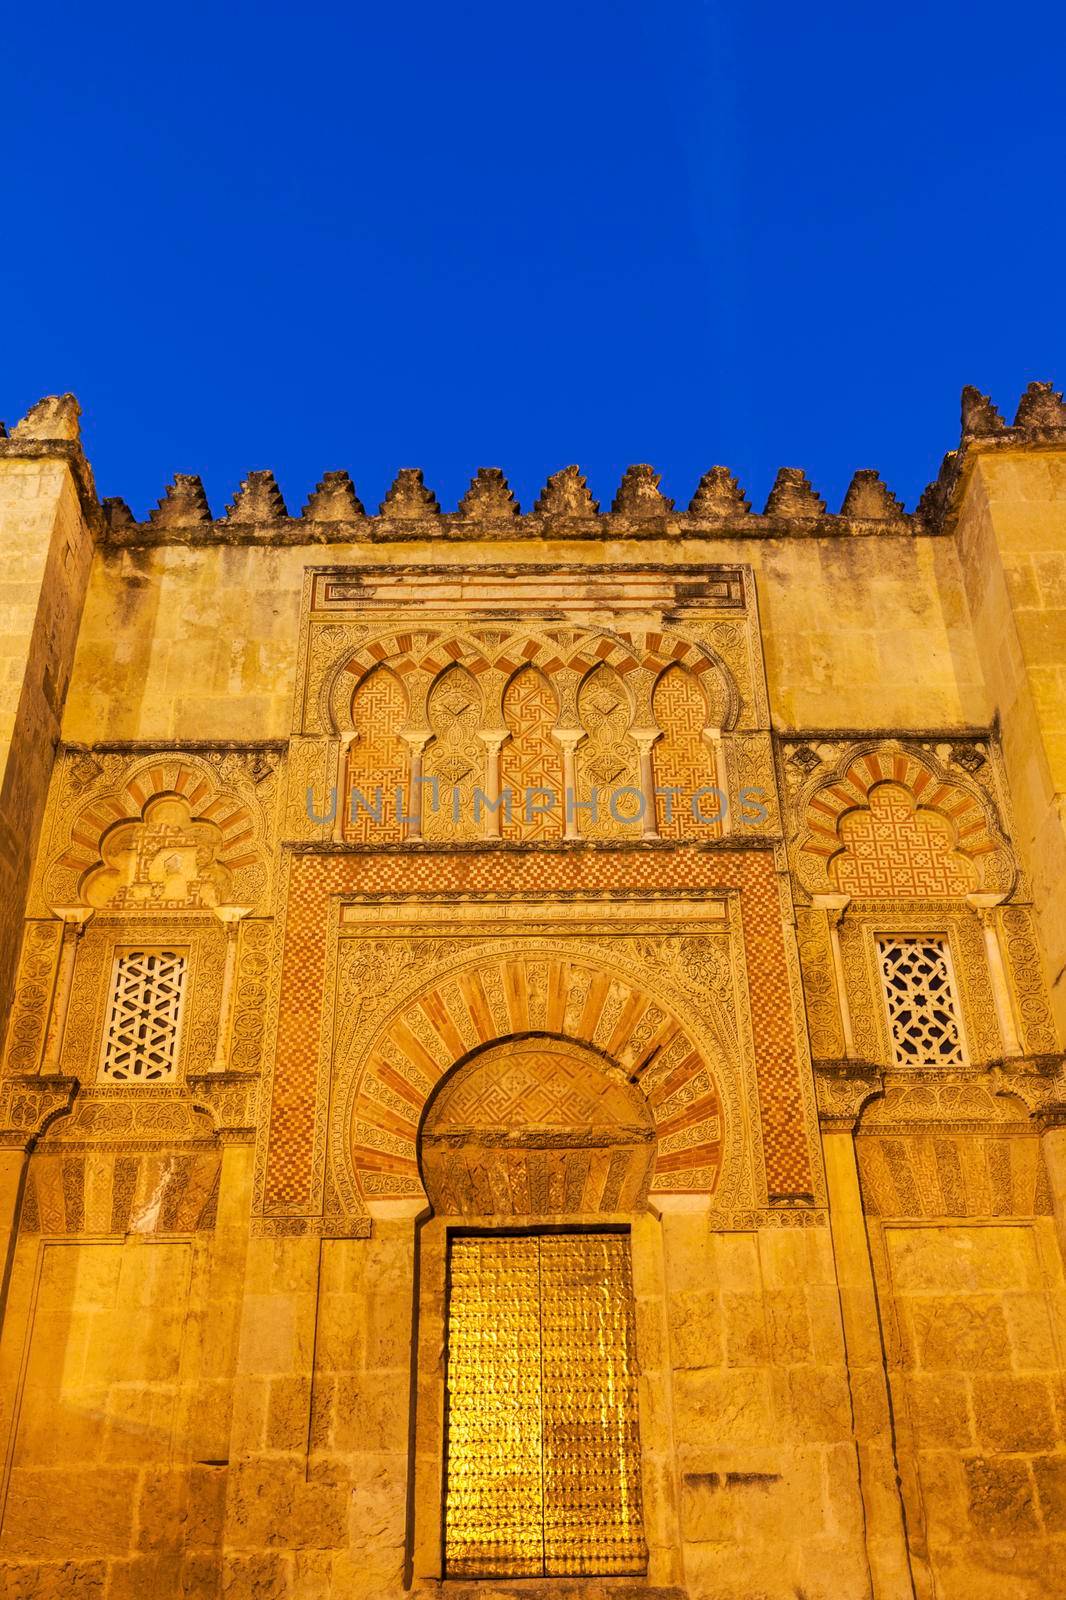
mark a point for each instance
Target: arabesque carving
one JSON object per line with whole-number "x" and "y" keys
{"x": 661, "y": 1010}
{"x": 890, "y": 822}
{"x": 164, "y": 832}
{"x": 537, "y": 1127}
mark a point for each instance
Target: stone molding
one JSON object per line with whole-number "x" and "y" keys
{"x": 844, "y": 1089}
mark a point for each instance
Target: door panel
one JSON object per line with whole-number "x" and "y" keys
{"x": 542, "y": 1445}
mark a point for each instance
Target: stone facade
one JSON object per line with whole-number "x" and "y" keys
{"x": 694, "y": 878}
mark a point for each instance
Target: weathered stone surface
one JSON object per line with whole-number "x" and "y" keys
{"x": 54, "y": 417}
{"x": 489, "y": 498}
{"x": 184, "y": 504}
{"x": 792, "y": 496}
{"x": 870, "y": 499}
{"x": 718, "y": 494}
{"x": 979, "y": 415}
{"x": 409, "y": 496}
{"x": 257, "y": 500}
{"x": 1000, "y": 1496}
{"x": 1041, "y": 406}
{"x": 566, "y": 494}
{"x": 254, "y": 1403}
{"x": 334, "y": 499}
{"x": 639, "y": 494}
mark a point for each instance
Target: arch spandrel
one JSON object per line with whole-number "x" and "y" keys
{"x": 675, "y": 1060}
{"x": 887, "y": 804}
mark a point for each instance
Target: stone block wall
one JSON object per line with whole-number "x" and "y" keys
{"x": 47, "y": 551}
{"x": 851, "y": 1388}
{"x": 762, "y": 1414}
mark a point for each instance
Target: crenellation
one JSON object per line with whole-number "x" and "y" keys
{"x": 489, "y": 499}
{"x": 567, "y": 497}
{"x": 409, "y": 497}
{"x": 639, "y": 495}
{"x": 184, "y": 504}
{"x": 117, "y": 516}
{"x": 53, "y": 418}
{"x": 980, "y": 418}
{"x": 585, "y": 977}
{"x": 793, "y": 496}
{"x": 1040, "y": 407}
{"x": 334, "y": 500}
{"x": 258, "y": 500}
{"x": 719, "y": 496}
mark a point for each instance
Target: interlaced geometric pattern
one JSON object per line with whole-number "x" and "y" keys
{"x": 608, "y": 759}
{"x": 923, "y": 1015}
{"x": 893, "y": 851}
{"x": 144, "y": 1016}
{"x": 315, "y": 878}
{"x": 681, "y": 758}
{"x": 455, "y": 757}
{"x": 522, "y": 1086}
{"x": 377, "y": 760}
{"x": 530, "y": 758}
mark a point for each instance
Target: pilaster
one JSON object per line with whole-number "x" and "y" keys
{"x": 47, "y": 507}
{"x": 1012, "y": 544}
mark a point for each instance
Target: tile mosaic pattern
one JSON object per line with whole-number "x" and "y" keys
{"x": 377, "y": 758}
{"x": 530, "y": 759}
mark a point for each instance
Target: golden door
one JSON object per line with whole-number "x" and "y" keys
{"x": 542, "y": 1453}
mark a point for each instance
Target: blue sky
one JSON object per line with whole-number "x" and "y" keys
{"x": 462, "y": 235}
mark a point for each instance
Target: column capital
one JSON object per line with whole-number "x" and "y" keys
{"x": 230, "y": 916}
{"x": 28, "y": 1105}
{"x": 843, "y": 1090}
{"x": 75, "y": 919}
{"x": 834, "y": 905}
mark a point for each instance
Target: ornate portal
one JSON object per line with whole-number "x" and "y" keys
{"x": 543, "y": 1454}
{"x": 439, "y": 947}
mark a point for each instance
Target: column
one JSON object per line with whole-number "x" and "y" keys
{"x": 985, "y": 907}
{"x": 492, "y": 739}
{"x": 344, "y": 796}
{"x": 230, "y": 918}
{"x": 841, "y": 1097}
{"x": 568, "y": 740}
{"x": 712, "y": 738}
{"x": 75, "y": 919}
{"x": 416, "y": 744}
{"x": 1053, "y": 1145}
{"x": 645, "y": 738}
{"x": 834, "y": 906}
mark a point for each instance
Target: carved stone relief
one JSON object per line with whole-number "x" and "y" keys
{"x": 666, "y": 1010}
{"x": 157, "y": 832}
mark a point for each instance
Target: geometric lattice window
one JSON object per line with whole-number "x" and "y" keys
{"x": 144, "y": 1016}
{"x": 923, "y": 1011}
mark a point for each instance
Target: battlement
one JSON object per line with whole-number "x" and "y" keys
{"x": 565, "y": 507}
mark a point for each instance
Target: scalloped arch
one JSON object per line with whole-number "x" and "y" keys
{"x": 406, "y": 652}
{"x": 208, "y": 801}
{"x": 966, "y": 814}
